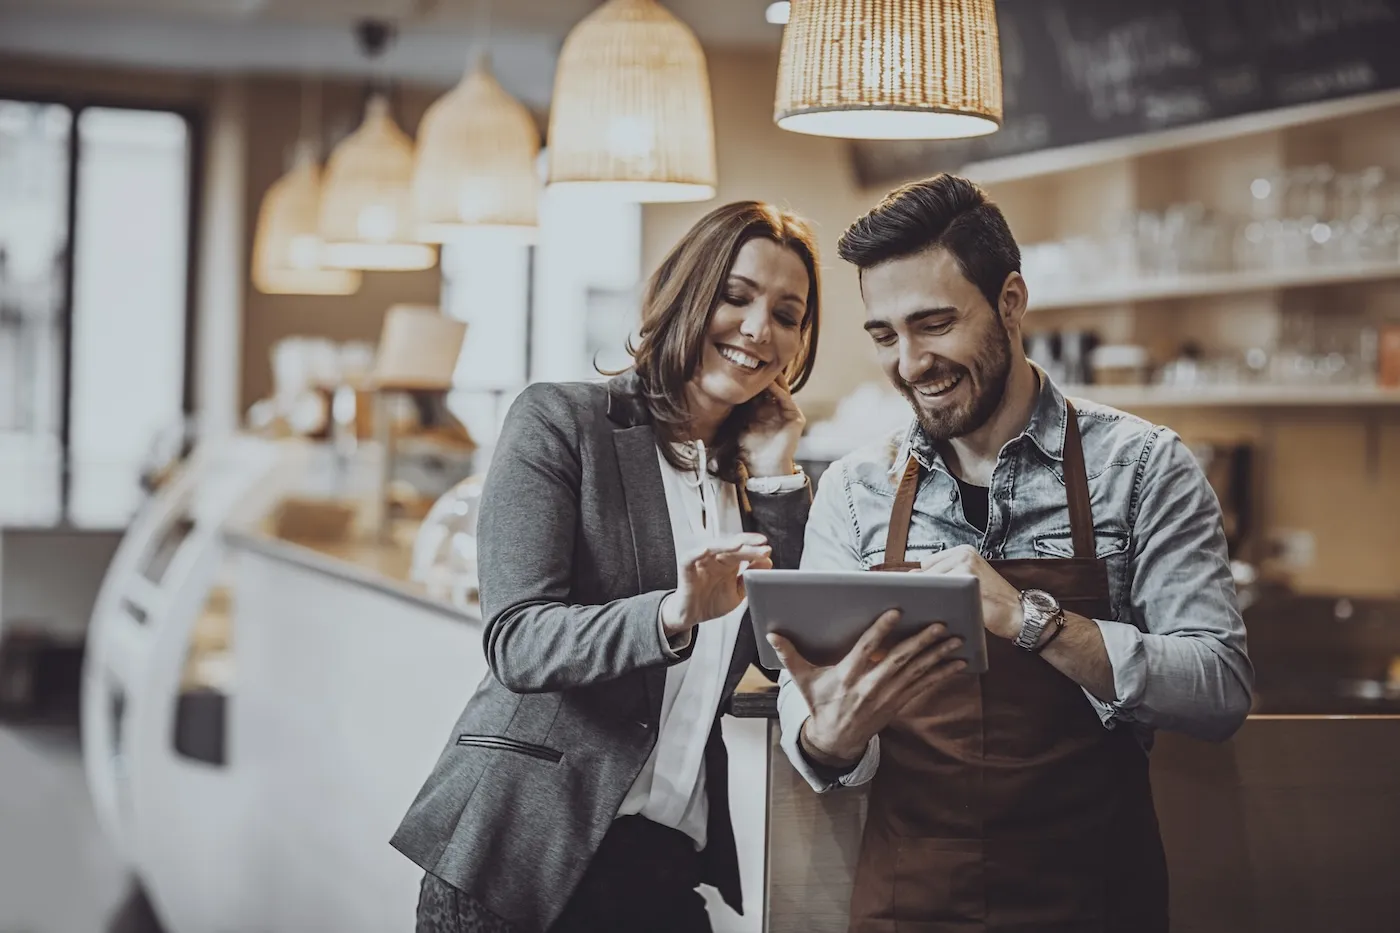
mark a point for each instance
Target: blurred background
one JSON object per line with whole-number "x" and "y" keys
{"x": 272, "y": 271}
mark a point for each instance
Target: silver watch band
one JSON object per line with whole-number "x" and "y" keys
{"x": 1031, "y": 630}
{"x": 1038, "y": 610}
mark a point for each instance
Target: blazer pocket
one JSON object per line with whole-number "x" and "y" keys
{"x": 502, "y": 744}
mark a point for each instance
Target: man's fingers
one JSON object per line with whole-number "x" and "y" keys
{"x": 914, "y": 675}
{"x": 915, "y": 645}
{"x": 792, "y": 659}
{"x": 938, "y": 563}
{"x": 952, "y": 559}
{"x": 868, "y": 649}
{"x": 929, "y": 658}
{"x": 918, "y": 688}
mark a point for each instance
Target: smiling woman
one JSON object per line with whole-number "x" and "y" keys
{"x": 585, "y": 786}
{"x": 733, "y": 306}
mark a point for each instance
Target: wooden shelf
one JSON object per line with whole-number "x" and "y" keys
{"x": 1071, "y": 158}
{"x": 1243, "y": 396}
{"x": 1223, "y": 283}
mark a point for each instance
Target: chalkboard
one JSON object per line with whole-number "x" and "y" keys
{"x": 1077, "y": 71}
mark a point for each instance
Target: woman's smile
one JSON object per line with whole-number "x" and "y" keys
{"x": 745, "y": 361}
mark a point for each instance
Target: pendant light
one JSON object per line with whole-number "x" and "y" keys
{"x": 890, "y": 69}
{"x": 476, "y": 165}
{"x": 366, "y": 209}
{"x": 631, "y": 114}
{"x": 287, "y": 244}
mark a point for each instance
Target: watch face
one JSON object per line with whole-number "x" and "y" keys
{"x": 1041, "y": 602}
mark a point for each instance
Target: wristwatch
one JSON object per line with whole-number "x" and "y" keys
{"x": 1038, "y": 611}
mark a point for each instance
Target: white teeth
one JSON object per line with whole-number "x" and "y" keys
{"x": 740, "y": 358}
{"x": 938, "y": 388}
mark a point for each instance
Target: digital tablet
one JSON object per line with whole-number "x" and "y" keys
{"x": 824, "y": 613}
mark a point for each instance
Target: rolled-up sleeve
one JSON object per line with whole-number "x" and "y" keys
{"x": 1180, "y": 662}
{"x": 829, "y": 544}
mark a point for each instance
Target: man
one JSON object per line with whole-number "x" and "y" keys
{"x": 1017, "y": 800}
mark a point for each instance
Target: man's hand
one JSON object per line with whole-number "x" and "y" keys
{"x": 857, "y": 697}
{"x": 1001, "y": 602}
{"x": 1079, "y": 654}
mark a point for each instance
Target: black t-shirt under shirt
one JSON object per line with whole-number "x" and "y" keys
{"x": 974, "y": 504}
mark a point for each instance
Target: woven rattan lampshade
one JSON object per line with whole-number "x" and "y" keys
{"x": 890, "y": 69}
{"x": 476, "y": 162}
{"x": 366, "y": 214}
{"x": 631, "y": 113}
{"x": 287, "y": 245}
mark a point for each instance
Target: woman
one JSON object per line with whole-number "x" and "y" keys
{"x": 585, "y": 786}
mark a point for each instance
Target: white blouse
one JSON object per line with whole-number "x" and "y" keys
{"x": 670, "y": 789}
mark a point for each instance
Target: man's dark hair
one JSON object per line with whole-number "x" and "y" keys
{"x": 946, "y": 212}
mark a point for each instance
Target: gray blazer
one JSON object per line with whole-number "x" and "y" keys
{"x": 576, "y": 554}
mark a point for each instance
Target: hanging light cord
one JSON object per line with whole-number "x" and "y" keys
{"x": 310, "y": 112}
{"x": 374, "y": 36}
{"x": 481, "y": 53}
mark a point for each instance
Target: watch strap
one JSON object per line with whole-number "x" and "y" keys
{"x": 1059, "y": 621}
{"x": 1031, "y": 630}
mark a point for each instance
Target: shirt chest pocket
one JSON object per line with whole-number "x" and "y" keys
{"x": 1061, "y": 544}
{"x": 912, "y": 552}
{"x": 1109, "y": 546}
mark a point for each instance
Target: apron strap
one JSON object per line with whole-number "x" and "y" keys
{"x": 1081, "y": 516}
{"x": 903, "y": 514}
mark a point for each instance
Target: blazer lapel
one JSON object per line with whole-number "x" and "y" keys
{"x": 653, "y": 546}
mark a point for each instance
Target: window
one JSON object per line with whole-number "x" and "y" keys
{"x": 34, "y": 190}
{"x": 92, "y": 351}
{"x": 545, "y": 312}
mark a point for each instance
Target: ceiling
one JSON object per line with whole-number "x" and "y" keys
{"x": 435, "y": 37}
{"x": 717, "y": 22}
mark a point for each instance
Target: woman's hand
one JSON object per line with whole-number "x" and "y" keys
{"x": 709, "y": 584}
{"x": 768, "y": 445}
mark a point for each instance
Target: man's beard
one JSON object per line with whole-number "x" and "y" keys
{"x": 986, "y": 380}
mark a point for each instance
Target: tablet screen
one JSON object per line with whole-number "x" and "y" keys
{"x": 824, "y": 613}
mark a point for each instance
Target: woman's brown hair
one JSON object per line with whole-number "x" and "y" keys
{"x": 680, "y": 299}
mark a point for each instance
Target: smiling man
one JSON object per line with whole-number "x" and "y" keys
{"x": 1015, "y": 800}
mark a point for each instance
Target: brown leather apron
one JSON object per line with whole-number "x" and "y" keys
{"x": 1002, "y": 803}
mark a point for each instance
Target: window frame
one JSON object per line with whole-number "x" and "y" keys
{"x": 194, "y": 118}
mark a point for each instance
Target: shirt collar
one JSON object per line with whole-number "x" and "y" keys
{"x": 1046, "y": 429}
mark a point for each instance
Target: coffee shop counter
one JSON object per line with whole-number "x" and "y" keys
{"x": 348, "y": 681}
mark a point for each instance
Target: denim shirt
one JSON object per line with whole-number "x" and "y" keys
{"x": 1175, "y": 638}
